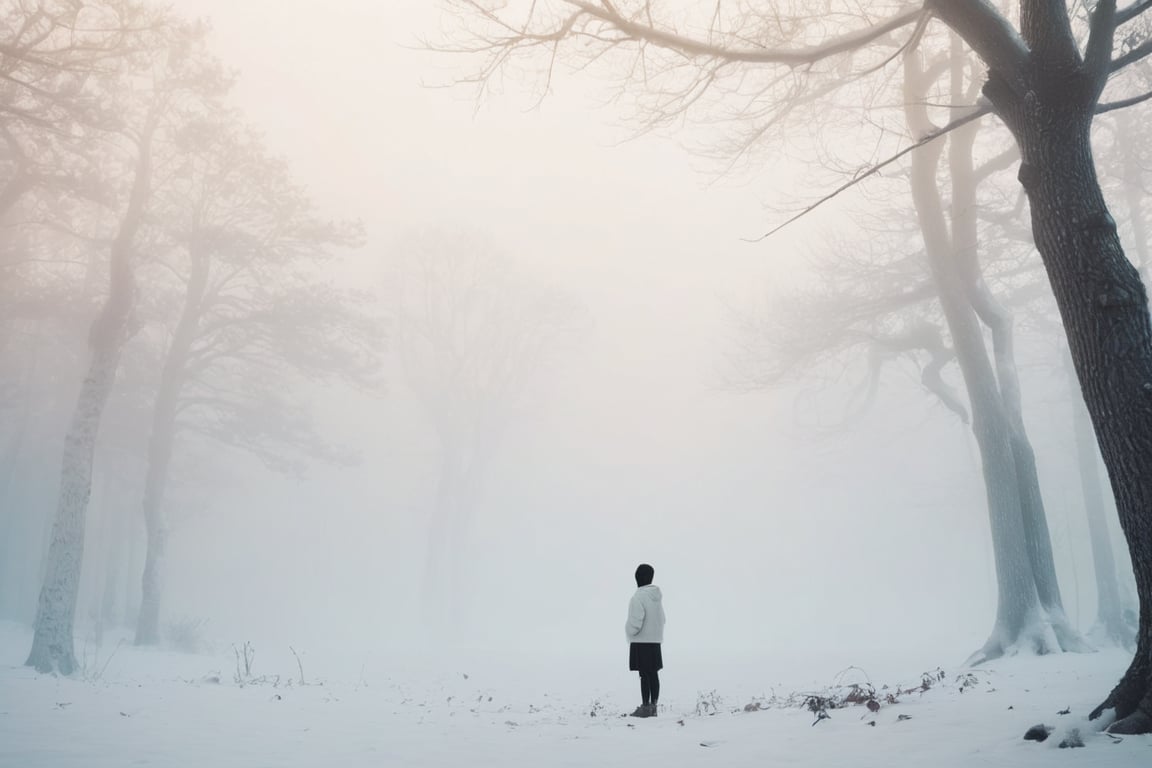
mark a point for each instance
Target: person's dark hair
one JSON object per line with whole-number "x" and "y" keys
{"x": 644, "y": 575}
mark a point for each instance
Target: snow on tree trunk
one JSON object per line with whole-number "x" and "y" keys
{"x": 1020, "y": 623}
{"x": 52, "y": 646}
{"x": 1104, "y": 309}
{"x": 997, "y": 318}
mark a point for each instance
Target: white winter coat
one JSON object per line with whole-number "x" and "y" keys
{"x": 646, "y": 616}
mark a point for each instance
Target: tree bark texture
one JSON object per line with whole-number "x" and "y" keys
{"x": 52, "y": 644}
{"x": 1104, "y": 309}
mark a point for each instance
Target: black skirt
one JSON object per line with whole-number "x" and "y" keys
{"x": 645, "y": 657}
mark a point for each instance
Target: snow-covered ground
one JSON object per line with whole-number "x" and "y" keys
{"x": 135, "y": 707}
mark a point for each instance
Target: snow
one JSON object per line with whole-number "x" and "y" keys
{"x": 159, "y": 708}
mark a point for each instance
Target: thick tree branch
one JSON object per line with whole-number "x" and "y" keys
{"x": 989, "y": 34}
{"x": 932, "y": 379}
{"x": 1123, "y": 103}
{"x": 1046, "y": 27}
{"x": 1125, "y": 15}
{"x": 1132, "y": 56}
{"x": 796, "y": 57}
{"x": 1000, "y": 162}
{"x": 922, "y": 338}
{"x": 1098, "y": 53}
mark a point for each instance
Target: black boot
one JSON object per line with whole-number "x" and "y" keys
{"x": 644, "y": 710}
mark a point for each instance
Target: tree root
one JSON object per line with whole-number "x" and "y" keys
{"x": 1039, "y": 638}
{"x": 1138, "y": 722}
{"x": 1070, "y": 640}
{"x": 46, "y": 659}
{"x": 1132, "y": 701}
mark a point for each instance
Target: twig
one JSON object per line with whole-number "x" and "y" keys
{"x": 299, "y": 664}
{"x": 1123, "y": 103}
{"x": 108, "y": 661}
{"x": 959, "y": 122}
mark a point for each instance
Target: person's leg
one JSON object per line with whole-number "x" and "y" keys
{"x": 646, "y": 694}
{"x": 654, "y": 686}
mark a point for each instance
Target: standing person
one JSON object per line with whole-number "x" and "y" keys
{"x": 645, "y": 632}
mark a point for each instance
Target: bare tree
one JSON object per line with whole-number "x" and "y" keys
{"x": 253, "y": 311}
{"x": 52, "y": 647}
{"x": 1044, "y": 83}
{"x": 120, "y": 159}
{"x": 473, "y": 335}
{"x": 1030, "y": 612}
{"x": 52, "y": 53}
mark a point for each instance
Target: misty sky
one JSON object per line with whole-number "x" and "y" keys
{"x": 637, "y": 452}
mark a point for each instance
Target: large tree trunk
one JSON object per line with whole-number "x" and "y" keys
{"x": 1020, "y": 623}
{"x": 161, "y": 443}
{"x": 52, "y": 646}
{"x": 1104, "y": 309}
{"x": 997, "y": 318}
{"x": 113, "y": 561}
{"x": 148, "y": 620}
{"x": 9, "y": 542}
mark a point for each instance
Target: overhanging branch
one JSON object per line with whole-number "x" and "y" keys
{"x": 975, "y": 114}
{"x": 995, "y": 164}
{"x": 1124, "y": 15}
{"x": 1098, "y": 53}
{"x": 1132, "y": 56}
{"x": 790, "y": 57}
{"x": 1123, "y": 103}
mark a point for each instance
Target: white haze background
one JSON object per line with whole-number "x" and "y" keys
{"x": 773, "y": 537}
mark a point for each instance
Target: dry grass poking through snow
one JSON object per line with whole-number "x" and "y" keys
{"x": 187, "y": 711}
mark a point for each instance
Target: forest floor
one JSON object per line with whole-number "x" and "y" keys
{"x": 160, "y": 708}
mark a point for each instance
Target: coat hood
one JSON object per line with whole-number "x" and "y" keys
{"x": 650, "y": 592}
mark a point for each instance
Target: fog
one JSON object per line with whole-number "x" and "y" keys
{"x": 780, "y": 525}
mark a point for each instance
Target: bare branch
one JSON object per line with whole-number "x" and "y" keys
{"x": 1098, "y": 54}
{"x": 934, "y": 382}
{"x": 1001, "y": 162}
{"x": 1125, "y": 15}
{"x": 789, "y": 57}
{"x": 1132, "y": 56}
{"x": 1123, "y": 103}
{"x": 978, "y": 112}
